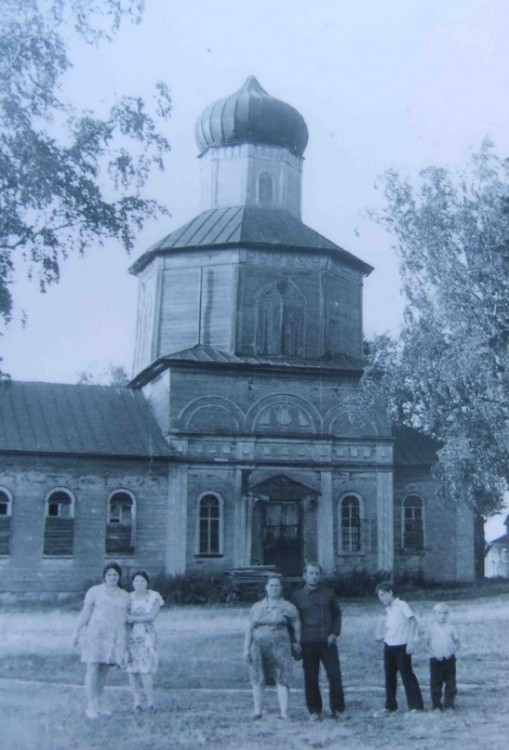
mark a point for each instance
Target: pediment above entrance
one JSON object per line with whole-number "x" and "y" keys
{"x": 282, "y": 487}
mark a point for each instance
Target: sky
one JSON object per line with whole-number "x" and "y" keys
{"x": 398, "y": 84}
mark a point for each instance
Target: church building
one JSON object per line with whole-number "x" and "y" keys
{"x": 238, "y": 441}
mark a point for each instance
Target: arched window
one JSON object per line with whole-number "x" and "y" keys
{"x": 120, "y": 523}
{"x": 210, "y": 536}
{"x": 269, "y": 315}
{"x": 280, "y": 312}
{"x": 413, "y": 523}
{"x": 59, "y": 524}
{"x": 265, "y": 190}
{"x": 350, "y": 524}
{"x": 5, "y": 521}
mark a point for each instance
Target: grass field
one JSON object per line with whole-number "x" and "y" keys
{"x": 203, "y": 692}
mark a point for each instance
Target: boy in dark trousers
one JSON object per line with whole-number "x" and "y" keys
{"x": 442, "y": 642}
{"x": 399, "y": 637}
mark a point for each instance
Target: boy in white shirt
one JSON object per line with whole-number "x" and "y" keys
{"x": 442, "y": 642}
{"x": 400, "y": 634}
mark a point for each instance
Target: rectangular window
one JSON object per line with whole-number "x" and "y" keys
{"x": 120, "y": 514}
{"x": 5, "y": 534}
{"x": 58, "y": 535}
{"x": 120, "y": 527}
{"x": 209, "y": 536}
{"x": 413, "y": 532}
{"x": 350, "y": 525}
{"x": 209, "y": 526}
{"x": 118, "y": 539}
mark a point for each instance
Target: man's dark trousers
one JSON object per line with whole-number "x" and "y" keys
{"x": 312, "y": 655}
{"x": 442, "y": 672}
{"x": 397, "y": 660}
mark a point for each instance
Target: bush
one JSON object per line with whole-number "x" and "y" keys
{"x": 193, "y": 589}
{"x": 224, "y": 589}
{"x": 358, "y": 583}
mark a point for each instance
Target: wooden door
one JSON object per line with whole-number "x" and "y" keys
{"x": 282, "y": 536}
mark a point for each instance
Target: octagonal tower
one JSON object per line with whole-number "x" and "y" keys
{"x": 246, "y": 276}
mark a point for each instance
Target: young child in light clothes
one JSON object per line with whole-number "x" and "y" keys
{"x": 442, "y": 642}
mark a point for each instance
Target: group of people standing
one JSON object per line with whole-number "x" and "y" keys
{"x": 308, "y": 628}
{"x": 399, "y": 635}
{"x": 116, "y": 628}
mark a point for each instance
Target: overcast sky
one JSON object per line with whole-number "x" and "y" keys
{"x": 395, "y": 84}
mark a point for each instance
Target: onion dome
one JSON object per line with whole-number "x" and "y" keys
{"x": 251, "y": 116}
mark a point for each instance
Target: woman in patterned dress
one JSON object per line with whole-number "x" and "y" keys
{"x": 267, "y": 646}
{"x": 142, "y": 659}
{"x": 103, "y": 620}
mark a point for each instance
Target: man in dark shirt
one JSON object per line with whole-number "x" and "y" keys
{"x": 321, "y": 626}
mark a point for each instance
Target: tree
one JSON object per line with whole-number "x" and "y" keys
{"x": 113, "y": 375}
{"x": 449, "y": 373}
{"x": 67, "y": 179}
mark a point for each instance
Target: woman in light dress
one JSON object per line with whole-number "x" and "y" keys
{"x": 101, "y": 632}
{"x": 142, "y": 658}
{"x": 267, "y": 645}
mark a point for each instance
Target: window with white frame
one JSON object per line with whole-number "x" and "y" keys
{"x": 59, "y": 524}
{"x": 120, "y": 525}
{"x": 413, "y": 523}
{"x": 350, "y": 510}
{"x": 210, "y": 507}
{"x": 5, "y": 521}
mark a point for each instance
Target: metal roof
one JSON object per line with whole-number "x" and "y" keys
{"x": 203, "y": 353}
{"x": 77, "y": 420}
{"x": 251, "y": 115}
{"x": 55, "y": 418}
{"x": 413, "y": 448}
{"x": 247, "y": 226}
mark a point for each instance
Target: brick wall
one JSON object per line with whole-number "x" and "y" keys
{"x": 363, "y": 485}
{"x": 90, "y": 481}
{"x": 202, "y": 401}
{"x": 222, "y": 482}
{"x": 448, "y": 553}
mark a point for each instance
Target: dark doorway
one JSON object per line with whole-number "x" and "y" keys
{"x": 282, "y": 536}
{"x": 278, "y": 523}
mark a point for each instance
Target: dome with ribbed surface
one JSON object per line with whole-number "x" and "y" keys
{"x": 252, "y": 116}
